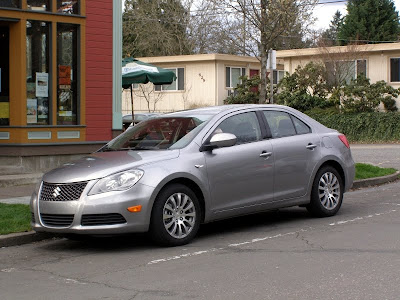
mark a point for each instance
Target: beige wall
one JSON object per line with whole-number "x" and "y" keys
{"x": 378, "y": 64}
{"x": 199, "y": 90}
{"x": 204, "y": 86}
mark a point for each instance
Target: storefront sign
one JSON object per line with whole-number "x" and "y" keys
{"x": 42, "y": 85}
{"x": 64, "y": 75}
{"x": 31, "y": 111}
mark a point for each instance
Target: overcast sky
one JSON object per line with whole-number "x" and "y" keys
{"x": 324, "y": 12}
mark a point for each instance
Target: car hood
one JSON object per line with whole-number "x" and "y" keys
{"x": 101, "y": 164}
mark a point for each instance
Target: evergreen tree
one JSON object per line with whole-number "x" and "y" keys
{"x": 330, "y": 36}
{"x": 370, "y": 20}
{"x": 155, "y": 28}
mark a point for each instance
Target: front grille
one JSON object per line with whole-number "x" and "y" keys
{"x": 57, "y": 220}
{"x": 102, "y": 219}
{"x": 62, "y": 192}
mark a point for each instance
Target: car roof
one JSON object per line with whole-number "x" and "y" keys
{"x": 213, "y": 110}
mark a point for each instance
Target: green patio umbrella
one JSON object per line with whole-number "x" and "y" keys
{"x": 136, "y": 71}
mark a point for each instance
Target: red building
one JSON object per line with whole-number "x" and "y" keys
{"x": 60, "y": 76}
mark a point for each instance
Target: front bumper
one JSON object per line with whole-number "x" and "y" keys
{"x": 107, "y": 212}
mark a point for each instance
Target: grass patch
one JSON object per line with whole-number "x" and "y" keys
{"x": 14, "y": 218}
{"x": 365, "y": 171}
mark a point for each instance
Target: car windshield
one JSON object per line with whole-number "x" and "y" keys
{"x": 170, "y": 132}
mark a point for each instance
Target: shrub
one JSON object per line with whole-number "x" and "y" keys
{"x": 362, "y": 96}
{"x": 246, "y": 92}
{"x": 305, "y": 89}
{"x": 363, "y": 127}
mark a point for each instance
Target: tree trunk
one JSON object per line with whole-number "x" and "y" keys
{"x": 263, "y": 53}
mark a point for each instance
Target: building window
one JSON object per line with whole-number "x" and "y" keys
{"x": 177, "y": 85}
{"x": 10, "y": 3}
{"x": 68, "y": 7}
{"x": 395, "y": 70}
{"x": 233, "y": 75}
{"x": 37, "y": 72}
{"x": 4, "y": 77}
{"x": 278, "y": 76}
{"x": 342, "y": 72}
{"x": 67, "y": 74}
{"x": 39, "y": 5}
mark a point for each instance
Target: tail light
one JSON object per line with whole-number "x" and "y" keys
{"x": 344, "y": 140}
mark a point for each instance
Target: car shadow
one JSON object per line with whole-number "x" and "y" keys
{"x": 260, "y": 222}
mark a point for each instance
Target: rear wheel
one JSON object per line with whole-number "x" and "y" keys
{"x": 176, "y": 216}
{"x": 327, "y": 193}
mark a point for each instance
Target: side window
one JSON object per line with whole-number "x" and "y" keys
{"x": 245, "y": 126}
{"x": 300, "y": 126}
{"x": 280, "y": 123}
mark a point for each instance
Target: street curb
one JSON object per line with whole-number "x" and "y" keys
{"x": 16, "y": 239}
{"x": 375, "y": 181}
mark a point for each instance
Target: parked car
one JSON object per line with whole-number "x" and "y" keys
{"x": 127, "y": 119}
{"x": 169, "y": 174}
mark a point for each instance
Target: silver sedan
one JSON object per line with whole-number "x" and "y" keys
{"x": 169, "y": 174}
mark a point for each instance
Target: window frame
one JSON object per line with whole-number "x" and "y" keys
{"x": 291, "y": 116}
{"x": 243, "y": 71}
{"x": 275, "y": 76}
{"x": 390, "y": 70}
{"x": 50, "y": 85}
{"x": 355, "y": 61}
{"x": 263, "y": 130}
{"x": 160, "y": 87}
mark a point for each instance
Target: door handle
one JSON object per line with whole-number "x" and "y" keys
{"x": 311, "y": 146}
{"x": 265, "y": 154}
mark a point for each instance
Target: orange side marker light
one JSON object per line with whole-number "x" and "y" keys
{"x": 136, "y": 208}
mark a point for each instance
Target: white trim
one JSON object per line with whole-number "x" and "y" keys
{"x": 117, "y": 66}
{"x": 39, "y": 135}
{"x": 230, "y": 75}
{"x": 68, "y": 134}
{"x": 4, "y": 135}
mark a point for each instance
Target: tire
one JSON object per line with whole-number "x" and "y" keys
{"x": 326, "y": 193}
{"x": 176, "y": 216}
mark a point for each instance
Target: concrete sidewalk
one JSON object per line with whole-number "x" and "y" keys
{"x": 20, "y": 194}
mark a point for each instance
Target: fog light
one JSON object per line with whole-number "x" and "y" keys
{"x": 136, "y": 208}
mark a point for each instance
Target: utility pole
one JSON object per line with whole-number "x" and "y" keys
{"x": 244, "y": 28}
{"x": 271, "y": 70}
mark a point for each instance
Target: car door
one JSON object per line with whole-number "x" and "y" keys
{"x": 296, "y": 152}
{"x": 240, "y": 175}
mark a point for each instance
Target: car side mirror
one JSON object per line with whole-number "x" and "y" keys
{"x": 220, "y": 140}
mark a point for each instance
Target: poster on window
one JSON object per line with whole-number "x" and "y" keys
{"x": 42, "y": 85}
{"x": 31, "y": 111}
{"x": 64, "y": 76}
{"x": 43, "y": 108}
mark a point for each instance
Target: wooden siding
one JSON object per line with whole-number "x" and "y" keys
{"x": 99, "y": 28}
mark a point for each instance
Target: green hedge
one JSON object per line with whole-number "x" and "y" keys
{"x": 363, "y": 127}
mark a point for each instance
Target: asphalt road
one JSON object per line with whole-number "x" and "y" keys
{"x": 274, "y": 255}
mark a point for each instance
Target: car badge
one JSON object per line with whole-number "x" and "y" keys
{"x": 57, "y": 191}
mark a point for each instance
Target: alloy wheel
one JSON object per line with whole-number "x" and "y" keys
{"x": 179, "y": 215}
{"x": 329, "y": 190}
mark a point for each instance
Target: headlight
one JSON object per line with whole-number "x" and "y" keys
{"x": 117, "y": 182}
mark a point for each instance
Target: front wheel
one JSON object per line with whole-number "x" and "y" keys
{"x": 176, "y": 216}
{"x": 327, "y": 193}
